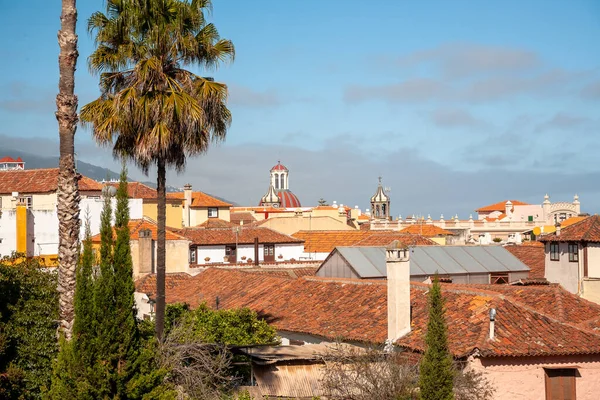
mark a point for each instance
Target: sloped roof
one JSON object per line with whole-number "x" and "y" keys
{"x": 587, "y": 230}
{"x": 136, "y": 225}
{"x": 531, "y": 255}
{"x": 239, "y": 216}
{"x": 453, "y": 260}
{"x": 10, "y": 159}
{"x": 356, "y": 310}
{"x": 369, "y": 262}
{"x": 326, "y": 241}
{"x": 213, "y": 223}
{"x": 200, "y": 199}
{"x": 501, "y": 206}
{"x": 137, "y": 190}
{"x": 427, "y": 230}
{"x": 245, "y": 235}
{"x": 147, "y": 284}
{"x": 385, "y": 238}
{"x": 39, "y": 181}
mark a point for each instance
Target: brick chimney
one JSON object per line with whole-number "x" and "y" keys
{"x": 397, "y": 263}
{"x": 187, "y": 195}
{"x": 146, "y": 253}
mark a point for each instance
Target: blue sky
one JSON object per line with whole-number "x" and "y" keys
{"x": 456, "y": 104}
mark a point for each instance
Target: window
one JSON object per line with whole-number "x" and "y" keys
{"x": 213, "y": 212}
{"x": 560, "y": 384}
{"x": 499, "y": 278}
{"x": 554, "y": 254}
{"x": 26, "y": 200}
{"x": 573, "y": 252}
{"x": 193, "y": 255}
{"x": 230, "y": 251}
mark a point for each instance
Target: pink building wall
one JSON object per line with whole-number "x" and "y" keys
{"x": 523, "y": 378}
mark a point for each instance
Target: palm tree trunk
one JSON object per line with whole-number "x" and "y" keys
{"x": 68, "y": 190}
{"x": 160, "y": 247}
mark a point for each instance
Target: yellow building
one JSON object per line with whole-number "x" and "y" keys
{"x": 198, "y": 207}
{"x": 143, "y": 248}
{"x": 137, "y": 190}
{"x": 290, "y": 221}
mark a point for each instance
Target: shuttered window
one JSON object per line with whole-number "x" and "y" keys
{"x": 560, "y": 384}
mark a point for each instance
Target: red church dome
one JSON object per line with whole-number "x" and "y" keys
{"x": 279, "y": 167}
{"x": 288, "y": 199}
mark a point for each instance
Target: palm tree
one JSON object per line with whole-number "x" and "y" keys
{"x": 152, "y": 110}
{"x": 68, "y": 190}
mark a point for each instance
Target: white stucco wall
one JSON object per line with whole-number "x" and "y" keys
{"x": 217, "y": 253}
{"x": 523, "y": 378}
{"x": 45, "y": 225}
{"x": 563, "y": 271}
{"x": 8, "y": 232}
{"x": 95, "y": 210}
{"x": 594, "y": 260}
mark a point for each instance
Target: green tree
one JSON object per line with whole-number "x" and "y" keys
{"x": 107, "y": 330}
{"x": 28, "y": 313}
{"x": 128, "y": 341}
{"x": 151, "y": 109}
{"x": 240, "y": 326}
{"x": 323, "y": 202}
{"x": 436, "y": 369}
{"x": 84, "y": 327}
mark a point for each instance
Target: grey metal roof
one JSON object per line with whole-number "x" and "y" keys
{"x": 369, "y": 262}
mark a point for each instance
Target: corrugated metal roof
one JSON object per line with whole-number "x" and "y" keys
{"x": 463, "y": 260}
{"x": 369, "y": 262}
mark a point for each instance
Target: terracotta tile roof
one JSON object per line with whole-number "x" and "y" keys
{"x": 39, "y": 181}
{"x": 357, "y": 310}
{"x": 363, "y": 217}
{"x": 385, "y": 238}
{"x": 147, "y": 284}
{"x": 498, "y": 218}
{"x": 285, "y": 272}
{"x": 532, "y": 256}
{"x": 587, "y": 230}
{"x": 571, "y": 221}
{"x": 136, "y": 225}
{"x": 137, "y": 190}
{"x": 427, "y": 230}
{"x": 200, "y": 199}
{"x": 501, "y": 206}
{"x": 213, "y": 223}
{"x": 246, "y": 217}
{"x": 246, "y": 235}
{"x": 10, "y": 160}
{"x": 326, "y": 241}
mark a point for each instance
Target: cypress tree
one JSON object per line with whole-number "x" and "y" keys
{"x": 84, "y": 327}
{"x": 107, "y": 329}
{"x": 128, "y": 339}
{"x": 436, "y": 370}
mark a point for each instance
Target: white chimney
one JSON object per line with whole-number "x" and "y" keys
{"x": 187, "y": 195}
{"x": 398, "y": 290}
{"x": 492, "y": 323}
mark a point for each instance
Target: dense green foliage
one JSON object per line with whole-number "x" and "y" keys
{"x": 28, "y": 314}
{"x": 106, "y": 358}
{"x": 239, "y": 326}
{"x": 436, "y": 370}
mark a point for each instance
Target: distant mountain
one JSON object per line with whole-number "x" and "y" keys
{"x": 33, "y": 161}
